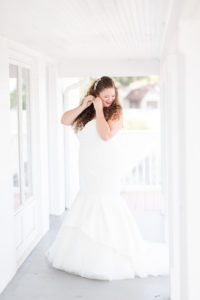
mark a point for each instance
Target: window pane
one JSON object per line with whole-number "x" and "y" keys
{"x": 26, "y": 133}
{"x": 13, "y": 87}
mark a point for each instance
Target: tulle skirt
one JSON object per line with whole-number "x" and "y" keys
{"x": 99, "y": 239}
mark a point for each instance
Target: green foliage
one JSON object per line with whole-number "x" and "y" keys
{"x": 134, "y": 124}
{"x": 122, "y": 81}
{"x": 126, "y": 81}
{"x": 84, "y": 88}
{"x": 14, "y": 98}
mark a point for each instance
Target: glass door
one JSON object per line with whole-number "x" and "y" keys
{"x": 20, "y": 118}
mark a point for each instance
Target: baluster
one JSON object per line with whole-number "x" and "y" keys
{"x": 150, "y": 167}
{"x": 143, "y": 172}
{"x": 137, "y": 174}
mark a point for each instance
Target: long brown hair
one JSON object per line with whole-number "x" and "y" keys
{"x": 110, "y": 112}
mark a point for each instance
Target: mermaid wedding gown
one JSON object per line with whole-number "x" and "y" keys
{"x": 99, "y": 238}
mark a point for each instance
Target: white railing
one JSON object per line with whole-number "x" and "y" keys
{"x": 145, "y": 171}
{"x": 141, "y": 177}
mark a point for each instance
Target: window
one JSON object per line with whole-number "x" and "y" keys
{"x": 19, "y": 85}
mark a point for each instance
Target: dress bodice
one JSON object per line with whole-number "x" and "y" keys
{"x": 98, "y": 160}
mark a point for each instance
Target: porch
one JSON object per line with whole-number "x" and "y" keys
{"x": 51, "y": 49}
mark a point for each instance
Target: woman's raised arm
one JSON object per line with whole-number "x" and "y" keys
{"x": 70, "y": 115}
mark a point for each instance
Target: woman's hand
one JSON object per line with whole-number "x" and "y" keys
{"x": 98, "y": 105}
{"x": 88, "y": 100}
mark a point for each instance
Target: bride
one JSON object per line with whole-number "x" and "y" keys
{"x": 99, "y": 237}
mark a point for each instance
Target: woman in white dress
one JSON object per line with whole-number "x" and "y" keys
{"x": 99, "y": 238}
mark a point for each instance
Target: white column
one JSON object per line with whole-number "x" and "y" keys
{"x": 180, "y": 107}
{"x": 171, "y": 168}
{"x": 71, "y": 99}
{"x": 55, "y": 142}
{"x": 190, "y": 46}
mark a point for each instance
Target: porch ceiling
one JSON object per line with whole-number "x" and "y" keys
{"x": 87, "y": 29}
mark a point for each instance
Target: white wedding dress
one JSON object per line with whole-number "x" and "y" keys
{"x": 99, "y": 237}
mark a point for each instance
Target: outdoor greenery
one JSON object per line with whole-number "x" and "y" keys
{"x": 13, "y": 98}
{"x": 134, "y": 124}
{"x": 123, "y": 83}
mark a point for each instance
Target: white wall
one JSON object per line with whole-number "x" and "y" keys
{"x": 8, "y": 253}
{"x": 7, "y": 249}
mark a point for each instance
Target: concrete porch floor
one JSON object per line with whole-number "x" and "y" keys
{"x": 37, "y": 280}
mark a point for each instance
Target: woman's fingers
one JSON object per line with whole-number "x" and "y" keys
{"x": 90, "y": 102}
